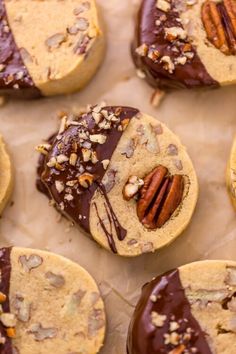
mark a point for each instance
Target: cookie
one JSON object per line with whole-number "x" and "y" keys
{"x": 186, "y": 43}
{"x": 45, "y": 53}
{"x": 187, "y": 310}
{"x": 6, "y": 178}
{"x": 231, "y": 174}
{"x": 49, "y": 304}
{"x": 122, "y": 176}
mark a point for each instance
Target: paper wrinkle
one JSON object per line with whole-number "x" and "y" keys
{"x": 205, "y": 122}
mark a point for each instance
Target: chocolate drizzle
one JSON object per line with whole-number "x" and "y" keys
{"x": 165, "y": 296}
{"x": 5, "y": 268}
{"x": 192, "y": 74}
{"x": 14, "y": 75}
{"x": 109, "y": 235}
{"x": 78, "y": 208}
{"x": 120, "y": 231}
{"x": 112, "y": 219}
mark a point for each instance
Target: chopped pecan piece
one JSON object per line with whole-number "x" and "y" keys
{"x": 160, "y": 196}
{"x": 179, "y": 350}
{"x": 219, "y": 20}
{"x": 132, "y": 187}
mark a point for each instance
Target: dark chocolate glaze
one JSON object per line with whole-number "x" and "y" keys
{"x": 5, "y": 268}
{"x": 108, "y": 233}
{"x": 191, "y": 75}
{"x": 14, "y": 77}
{"x": 78, "y": 209}
{"x": 40, "y": 169}
{"x": 112, "y": 220}
{"x": 145, "y": 338}
{"x": 120, "y": 231}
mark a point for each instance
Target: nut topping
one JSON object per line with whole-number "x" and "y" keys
{"x": 157, "y": 319}
{"x": 160, "y": 195}
{"x": 40, "y": 333}
{"x": 179, "y": 350}
{"x": 55, "y": 41}
{"x": 132, "y": 187}
{"x": 219, "y": 20}
{"x": 31, "y": 262}
{"x": 22, "y": 308}
{"x": 95, "y": 322}
{"x": 8, "y": 319}
{"x": 2, "y": 297}
{"x": 231, "y": 276}
{"x": 55, "y": 280}
{"x": 163, "y": 5}
{"x": 109, "y": 180}
{"x": 11, "y": 332}
{"x": 86, "y": 180}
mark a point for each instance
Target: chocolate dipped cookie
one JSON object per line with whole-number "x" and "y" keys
{"x": 122, "y": 176}
{"x": 44, "y": 52}
{"x": 187, "y": 310}
{"x": 48, "y": 304}
{"x": 186, "y": 43}
{"x": 6, "y": 175}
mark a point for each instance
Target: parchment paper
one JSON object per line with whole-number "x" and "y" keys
{"x": 205, "y": 122}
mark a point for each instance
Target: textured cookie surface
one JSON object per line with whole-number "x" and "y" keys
{"x": 94, "y": 162}
{"x": 186, "y": 43}
{"x": 6, "y": 179}
{"x": 51, "y": 305}
{"x": 188, "y": 310}
{"x": 59, "y": 53}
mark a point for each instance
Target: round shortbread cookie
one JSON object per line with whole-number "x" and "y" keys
{"x": 50, "y": 47}
{"x": 6, "y": 176}
{"x": 122, "y": 176}
{"x": 49, "y": 304}
{"x": 187, "y": 310}
{"x": 186, "y": 43}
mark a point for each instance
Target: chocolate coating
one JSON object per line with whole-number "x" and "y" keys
{"x": 193, "y": 74}
{"x": 40, "y": 169}
{"x": 14, "y": 77}
{"x": 78, "y": 207}
{"x": 5, "y": 267}
{"x": 146, "y": 338}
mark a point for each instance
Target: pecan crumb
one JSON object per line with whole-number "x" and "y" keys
{"x": 157, "y": 319}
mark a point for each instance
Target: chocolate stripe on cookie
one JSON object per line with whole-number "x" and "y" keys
{"x": 163, "y": 322}
{"x": 5, "y": 268}
{"x": 13, "y": 73}
{"x": 77, "y": 161}
{"x": 163, "y": 51}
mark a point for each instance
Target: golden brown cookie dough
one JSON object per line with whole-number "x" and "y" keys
{"x": 6, "y": 178}
{"x": 61, "y": 42}
{"x": 186, "y": 43}
{"x": 231, "y": 174}
{"x": 122, "y": 176}
{"x": 187, "y": 310}
{"x": 50, "y": 304}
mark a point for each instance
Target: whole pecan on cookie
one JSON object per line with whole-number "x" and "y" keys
{"x": 219, "y": 20}
{"x": 159, "y": 197}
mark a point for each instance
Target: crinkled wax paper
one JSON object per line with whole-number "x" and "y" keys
{"x": 205, "y": 122}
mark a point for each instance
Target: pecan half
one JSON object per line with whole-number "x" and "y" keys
{"x": 160, "y": 196}
{"x": 219, "y": 20}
